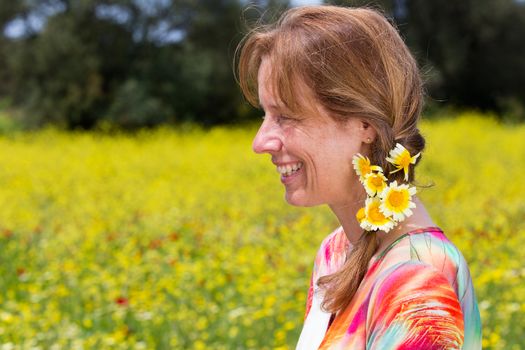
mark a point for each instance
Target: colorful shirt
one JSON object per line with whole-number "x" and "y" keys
{"x": 416, "y": 294}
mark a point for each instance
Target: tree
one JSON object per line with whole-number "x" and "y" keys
{"x": 134, "y": 63}
{"x": 471, "y": 52}
{"x": 474, "y": 50}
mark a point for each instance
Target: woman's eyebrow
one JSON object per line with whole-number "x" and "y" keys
{"x": 271, "y": 106}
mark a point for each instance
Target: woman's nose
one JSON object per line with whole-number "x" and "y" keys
{"x": 267, "y": 139}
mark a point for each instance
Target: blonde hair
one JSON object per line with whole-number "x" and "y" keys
{"x": 356, "y": 65}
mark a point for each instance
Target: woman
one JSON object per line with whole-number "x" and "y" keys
{"x": 342, "y": 97}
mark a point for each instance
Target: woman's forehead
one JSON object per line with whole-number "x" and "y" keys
{"x": 270, "y": 88}
{"x": 268, "y": 96}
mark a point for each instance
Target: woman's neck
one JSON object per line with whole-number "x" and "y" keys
{"x": 346, "y": 216}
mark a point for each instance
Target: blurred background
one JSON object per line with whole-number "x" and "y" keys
{"x": 86, "y": 63}
{"x": 133, "y": 214}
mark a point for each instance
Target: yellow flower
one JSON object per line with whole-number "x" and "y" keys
{"x": 396, "y": 201}
{"x": 362, "y": 166}
{"x": 361, "y": 215}
{"x": 401, "y": 158}
{"x": 374, "y": 183}
{"x": 375, "y": 219}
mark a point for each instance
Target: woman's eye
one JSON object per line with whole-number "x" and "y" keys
{"x": 283, "y": 118}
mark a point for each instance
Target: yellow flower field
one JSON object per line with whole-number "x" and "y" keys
{"x": 181, "y": 239}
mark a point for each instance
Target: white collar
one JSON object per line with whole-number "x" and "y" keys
{"x": 315, "y": 325}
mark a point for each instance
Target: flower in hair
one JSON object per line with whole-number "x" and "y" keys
{"x": 401, "y": 158}
{"x": 375, "y": 219}
{"x": 396, "y": 201}
{"x": 387, "y": 203}
{"x": 362, "y": 166}
{"x": 361, "y": 215}
{"x": 374, "y": 183}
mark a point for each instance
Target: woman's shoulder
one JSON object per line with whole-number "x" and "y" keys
{"x": 433, "y": 248}
{"x": 428, "y": 251}
{"x": 413, "y": 306}
{"x": 430, "y": 247}
{"x": 426, "y": 275}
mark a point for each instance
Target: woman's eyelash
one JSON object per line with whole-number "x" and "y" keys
{"x": 283, "y": 117}
{"x": 279, "y": 118}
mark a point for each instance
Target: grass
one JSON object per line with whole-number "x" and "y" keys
{"x": 182, "y": 240}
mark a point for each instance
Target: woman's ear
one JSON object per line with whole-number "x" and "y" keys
{"x": 368, "y": 132}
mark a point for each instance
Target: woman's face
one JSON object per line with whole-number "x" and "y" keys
{"x": 312, "y": 152}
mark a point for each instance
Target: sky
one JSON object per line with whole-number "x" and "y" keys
{"x": 306, "y": 2}
{"x": 17, "y": 27}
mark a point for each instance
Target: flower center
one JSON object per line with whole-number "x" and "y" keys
{"x": 396, "y": 198}
{"x": 404, "y": 159}
{"x": 375, "y": 215}
{"x": 365, "y": 168}
{"x": 361, "y": 215}
{"x": 377, "y": 181}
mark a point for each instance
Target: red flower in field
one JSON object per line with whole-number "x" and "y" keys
{"x": 156, "y": 243}
{"x": 301, "y": 268}
{"x": 229, "y": 277}
{"x": 20, "y": 271}
{"x": 174, "y": 236}
{"x": 111, "y": 236}
{"x": 122, "y": 301}
{"x": 7, "y": 233}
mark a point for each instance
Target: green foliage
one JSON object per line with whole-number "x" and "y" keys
{"x": 132, "y": 63}
{"x": 471, "y": 52}
{"x": 59, "y": 75}
{"x": 133, "y": 107}
{"x": 181, "y": 239}
{"x": 100, "y": 60}
{"x": 473, "y": 49}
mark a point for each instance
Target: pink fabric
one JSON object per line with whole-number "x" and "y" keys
{"x": 417, "y": 295}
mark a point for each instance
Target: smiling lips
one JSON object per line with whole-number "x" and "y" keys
{"x": 289, "y": 169}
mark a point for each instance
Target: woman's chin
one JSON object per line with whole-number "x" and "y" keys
{"x": 298, "y": 199}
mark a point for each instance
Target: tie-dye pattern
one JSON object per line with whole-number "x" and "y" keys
{"x": 417, "y": 294}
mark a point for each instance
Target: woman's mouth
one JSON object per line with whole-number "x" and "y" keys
{"x": 287, "y": 171}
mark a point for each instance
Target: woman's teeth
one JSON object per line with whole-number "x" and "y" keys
{"x": 289, "y": 169}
